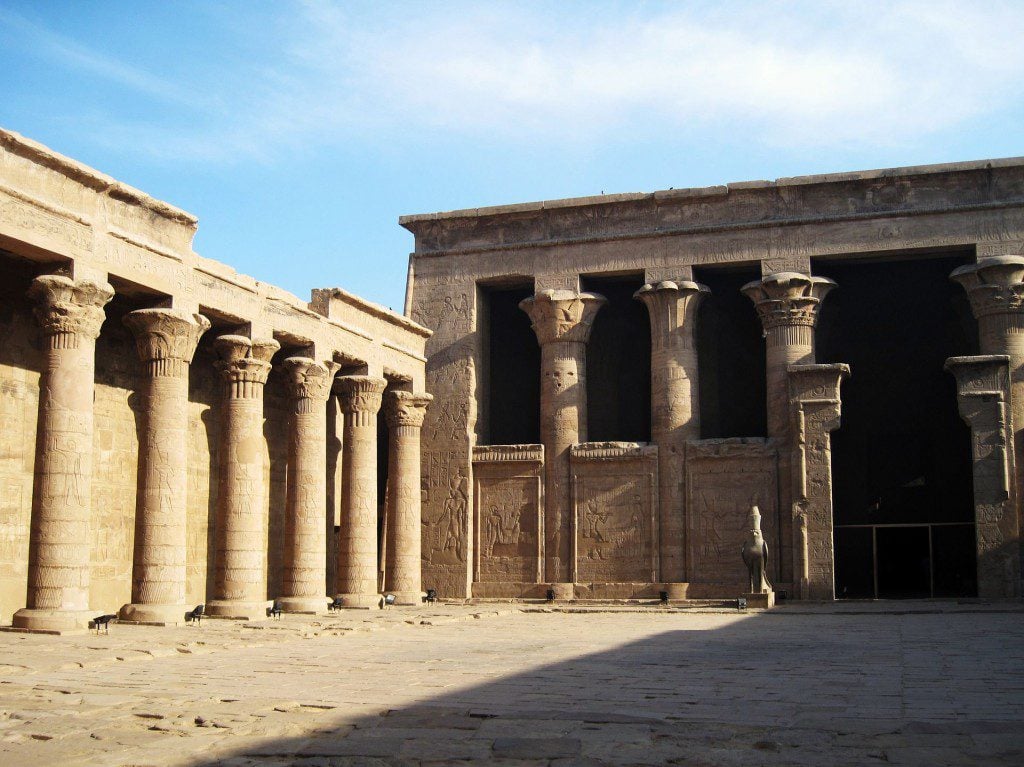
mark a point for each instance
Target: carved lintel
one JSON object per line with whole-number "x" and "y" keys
{"x": 562, "y": 315}
{"x": 613, "y": 451}
{"x": 732, "y": 446}
{"x": 508, "y": 454}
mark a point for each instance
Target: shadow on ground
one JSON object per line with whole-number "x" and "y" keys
{"x": 768, "y": 689}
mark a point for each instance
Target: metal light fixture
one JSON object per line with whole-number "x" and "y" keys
{"x": 389, "y": 599}
{"x": 551, "y": 595}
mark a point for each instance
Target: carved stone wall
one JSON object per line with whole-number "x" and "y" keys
{"x": 724, "y": 478}
{"x": 509, "y": 520}
{"x": 615, "y": 512}
{"x": 449, "y": 307}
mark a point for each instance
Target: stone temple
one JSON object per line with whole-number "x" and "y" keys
{"x": 583, "y": 397}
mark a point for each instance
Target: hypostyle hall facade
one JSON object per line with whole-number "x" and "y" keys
{"x": 177, "y": 433}
{"x": 618, "y": 379}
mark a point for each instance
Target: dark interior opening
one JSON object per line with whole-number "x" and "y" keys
{"x": 513, "y": 369}
{"x": 730, "y": 347}
{"x": 901, "y": 460}
{"x": 619, "y": 363}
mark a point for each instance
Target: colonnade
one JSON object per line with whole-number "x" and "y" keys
{"x": 70, "y": 313}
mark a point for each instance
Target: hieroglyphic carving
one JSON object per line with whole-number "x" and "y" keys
{"x": 615, "y": 505}
{"x": 724, "y": 478}
{"x": 983, "y": 391}
{"x": 814, "y": 397}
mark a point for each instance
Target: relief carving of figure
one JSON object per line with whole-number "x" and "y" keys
{"x": 453, "y": 517}
{"x": 755, "y": 554}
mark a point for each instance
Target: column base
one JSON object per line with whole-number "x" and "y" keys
{"x": 237, "y": 609}
{"x": 160, "y": 615}
{"x": 405, "y": 598}
{"x": 304, "y": 604}
{"x": 564, "y": 592}
{"x": 361, "y": 601}
{"x": 676, "y": 590}
{"x": 53, "y": 621}
{"x": 760, "y": 601}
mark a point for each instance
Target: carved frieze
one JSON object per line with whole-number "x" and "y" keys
{"x": 508, "y": 454}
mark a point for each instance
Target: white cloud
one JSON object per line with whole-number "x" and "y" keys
{"x": 786, "y": 74}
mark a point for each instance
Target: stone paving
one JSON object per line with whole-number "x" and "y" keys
{"x": 514, "y": 684}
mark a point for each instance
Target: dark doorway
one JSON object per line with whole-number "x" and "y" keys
{"x": 901, "y": 462}
{"x": 619, "y": 363}
{"x": 511, "y": 407}
{"x": 730, "y": 347}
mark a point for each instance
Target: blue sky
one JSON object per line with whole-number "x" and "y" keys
{"x": 298, "y": 132}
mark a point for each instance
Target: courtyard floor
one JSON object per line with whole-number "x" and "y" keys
{"x": 902, "y": 683}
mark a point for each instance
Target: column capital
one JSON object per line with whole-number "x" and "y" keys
{"x": 243, "y": 360}
{"x": 70, "y": 308}
{"x": 994, "y": 285}
{"x": 166, "y": 339}
{"x": 788, "y": 299}
{"x": 671, "y": 305}
{"x": 562, "y": 315}
{"x": 407, "y": 409}
{"x": 309, "y": 379}
{"x": 360, "y": 394}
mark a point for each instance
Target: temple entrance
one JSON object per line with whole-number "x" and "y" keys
{"x": 901, "y": 461}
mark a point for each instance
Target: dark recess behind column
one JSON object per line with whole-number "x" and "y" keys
{"x": 730, "y": 351}
{"x": 619, "y": 363}
{"x": 514, "y": 377}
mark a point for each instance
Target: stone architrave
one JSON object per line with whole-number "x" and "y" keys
{"x": 166, "y": 340}
{"x": 240, "y": 583}
{"x": 675, "y": 410}
{"x": 305, "y": 535}
{"x": 995, "y": 288}
{"x": 405, "y": 413}
{"x": 815, "y": 403}
{"x": 360, "y": 400}
{"x": 787, "y": 304}
{"x": 70, "y": 314}
{"x": 562, "y": 320}
{"x": 984, "y": 394}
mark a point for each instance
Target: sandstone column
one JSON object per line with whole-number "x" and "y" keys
{"x": 70, "y": 313}
{"x": 305, "y": 536}
{"x": 562, "y": 320}
{"x": 166, "y": 340}
{"x": 787, "y": 303}
{"x": 405, "y": 413}
{"x": 675, "y": 410}
{"x": 360, "y": 399}
{"x": 995, "y": 287}
{"x": 240, "y": 584}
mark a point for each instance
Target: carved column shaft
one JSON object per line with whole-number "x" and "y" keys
{"x": 983, "y": 387}
{"x": 70, "y": 314}
{"x": 562, "y": 320}
{"x": 405, "y": 415}
{"x": 995, "y": 288}
{"x": 166, "y": 340}
{"x": 787, "y": 304}
{"x": 240, "y": 583}
{"x": 360, "y": 398}
{"x": 305, "y": 534}
{"x": 816, "y": 409}
{"x": 675, "y": 409}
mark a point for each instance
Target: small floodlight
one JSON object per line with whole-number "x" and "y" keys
{"x": 389, "y": 599}
{"x": 431, "y": 595}
{"x": 551, "y": 595}
{"x": 663, "y": 596}
{"x": 741, "y": 603}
